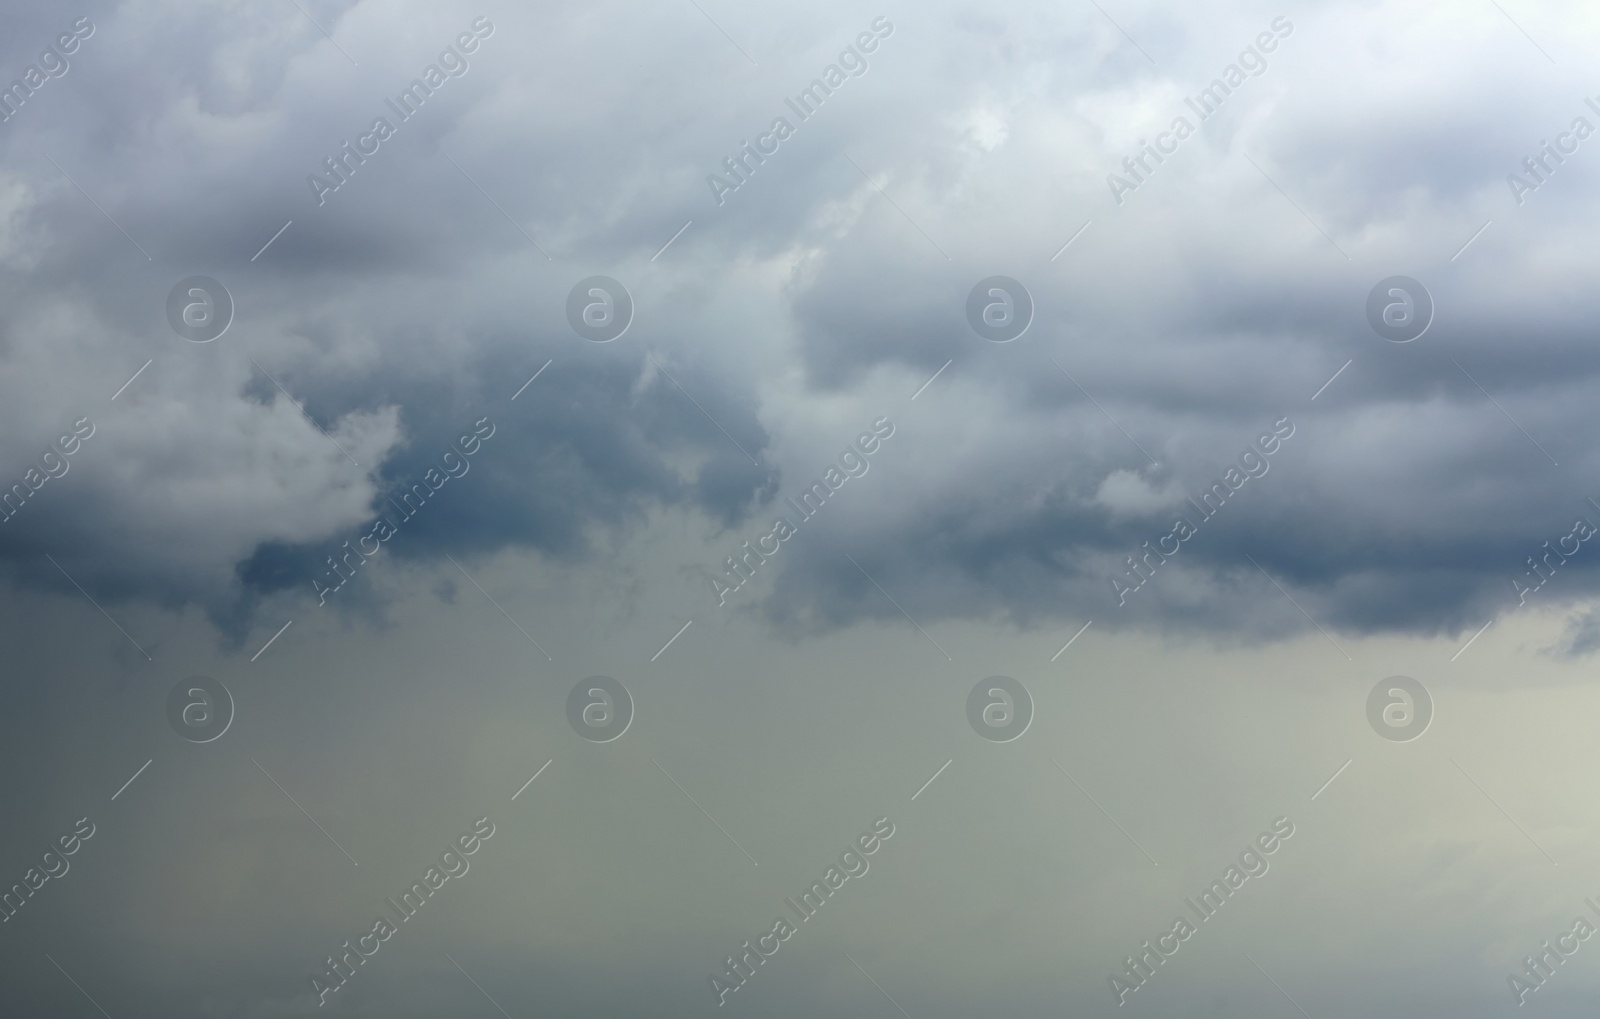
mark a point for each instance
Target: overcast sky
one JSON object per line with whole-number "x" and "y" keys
{"x": 423, "y": 225}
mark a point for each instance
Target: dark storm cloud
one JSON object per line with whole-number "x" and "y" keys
{"x": 578, "y": 452}
{"x": 405, "y": 305}
{"x": 1380, "y": 516}
{"x": 398, "y": 310}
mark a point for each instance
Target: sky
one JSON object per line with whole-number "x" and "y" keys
{"x": 598, "y": 468}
